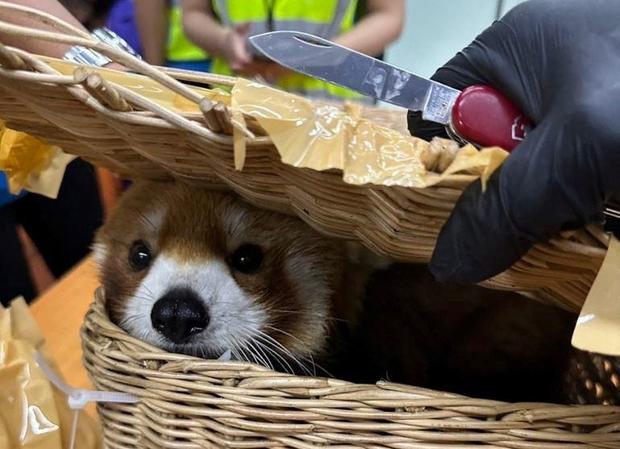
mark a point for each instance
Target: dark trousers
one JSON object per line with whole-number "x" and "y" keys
{"x": 62, "y": 229}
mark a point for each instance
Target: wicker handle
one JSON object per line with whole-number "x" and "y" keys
{"x": 74, "y": 36}
{"x": 112, "y": 95}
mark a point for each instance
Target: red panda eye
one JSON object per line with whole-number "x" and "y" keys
{"x": 247, "y": 258}
{"x": 139, "y": 255}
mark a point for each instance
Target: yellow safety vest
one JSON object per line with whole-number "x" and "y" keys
{"x": 178, "y": 46}
{"x": 324, "y": 18}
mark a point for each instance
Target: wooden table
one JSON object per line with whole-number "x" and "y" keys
{"x": 60, "y": 312}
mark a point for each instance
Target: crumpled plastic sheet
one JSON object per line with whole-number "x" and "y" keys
{"x": 33, "y": 413}
{"x": 30, "y": 163}
{"x": 326, "y": 136}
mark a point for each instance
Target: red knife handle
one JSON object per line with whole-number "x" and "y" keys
{"x": 483, "y": 116}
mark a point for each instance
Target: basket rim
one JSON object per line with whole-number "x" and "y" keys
{"x": 257, "y": 407}
{"x": 96, "y": 313}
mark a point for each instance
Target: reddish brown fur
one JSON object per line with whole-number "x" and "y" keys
{"x": 194, "y": 227}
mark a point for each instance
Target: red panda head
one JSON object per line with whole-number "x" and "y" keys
{"x": 202, "y": 272}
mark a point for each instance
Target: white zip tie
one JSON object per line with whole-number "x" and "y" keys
{"x": 77, "y": 398}
{"x": 74, "y": 423}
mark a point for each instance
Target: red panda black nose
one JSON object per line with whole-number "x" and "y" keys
{"x": 179, "y": 314}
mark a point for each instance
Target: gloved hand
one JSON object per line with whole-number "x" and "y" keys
{"x": 559, "y": 62}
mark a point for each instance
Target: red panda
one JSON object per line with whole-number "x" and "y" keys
{"x": 204, "y": 273}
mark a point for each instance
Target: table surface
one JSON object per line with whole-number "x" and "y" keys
{"x": 60, "y": 312}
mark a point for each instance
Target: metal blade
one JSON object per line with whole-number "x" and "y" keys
{"x": 325, "y": 60}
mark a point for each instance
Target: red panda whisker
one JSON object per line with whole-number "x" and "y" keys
{"x": 274, "y": 350}
{"x": 259, "y": 346}
{"x": 288, "y": 353}
{"x": 288, "y": 334}
{"x": 306, "y": 314}
{"x": 261, "y": 356}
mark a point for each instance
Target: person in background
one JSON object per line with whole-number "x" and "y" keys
{"x": 121, "y": 18}
{"x": 117, "y": 15}
{"x": 61, "y": 229}
{"x": 164, "y": 41}
{"x": 222, "y": 28}
{"x": 89, "y": 13}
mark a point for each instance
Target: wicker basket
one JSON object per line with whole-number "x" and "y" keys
{"x": 114, "y": 127}
{"x": 189, "y": 403}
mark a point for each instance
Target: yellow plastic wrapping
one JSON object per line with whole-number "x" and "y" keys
{"x": 598, "y": 326}
{"x": 323, "y": 137}
{"x": 33, "y": 414}
{"x": 30, "y": 163}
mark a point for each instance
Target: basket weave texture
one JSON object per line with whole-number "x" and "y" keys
{"x": 189, "y": 403}
{"x": 111, "y": 126}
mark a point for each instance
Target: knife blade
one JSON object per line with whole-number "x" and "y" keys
{"x": 479, "y": 114}
{"x": 329, "y": 62}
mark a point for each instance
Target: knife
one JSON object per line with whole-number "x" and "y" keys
{"x": 479, "y": 114}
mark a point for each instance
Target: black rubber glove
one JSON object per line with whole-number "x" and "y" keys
{"x": 559, "y": 61}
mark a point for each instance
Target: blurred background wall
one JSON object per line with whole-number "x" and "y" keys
{"x": 437, "y": 29}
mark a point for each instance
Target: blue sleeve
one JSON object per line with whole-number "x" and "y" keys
{"x": 5, "y": 196}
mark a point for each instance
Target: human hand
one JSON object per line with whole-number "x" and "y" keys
{"x": 268, "y": 71}
{"x": 235, "y": 49}
{"x": 116, "y": 66}
{"x": 243, "y": 63}
{"x": 558, "y": 61}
